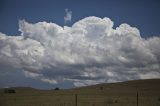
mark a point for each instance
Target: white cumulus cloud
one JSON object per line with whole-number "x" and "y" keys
{"x": 89, "y": 52}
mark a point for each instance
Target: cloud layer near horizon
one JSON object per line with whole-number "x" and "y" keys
{"x": 89, "y": 52}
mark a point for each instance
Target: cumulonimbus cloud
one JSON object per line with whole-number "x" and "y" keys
{"x": 89, "y": 52}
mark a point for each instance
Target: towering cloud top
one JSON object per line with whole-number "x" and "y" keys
{"x": 89, "y": 52}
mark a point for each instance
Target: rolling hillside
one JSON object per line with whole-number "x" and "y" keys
{"x": 130, "y": 93}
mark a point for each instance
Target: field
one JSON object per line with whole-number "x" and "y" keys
{"x": 131, "y": 93}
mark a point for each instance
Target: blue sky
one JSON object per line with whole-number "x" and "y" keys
{"x": 143, "y": 14}
{"x": 34, "y": 60}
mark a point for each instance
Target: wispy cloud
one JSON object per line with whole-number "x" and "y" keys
{"x": 68, "y": 16}
{"x": 89, "y": 52}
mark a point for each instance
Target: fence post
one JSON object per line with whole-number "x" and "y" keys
{"x": 76, "y": 99}
{"x": 137, "y": 98}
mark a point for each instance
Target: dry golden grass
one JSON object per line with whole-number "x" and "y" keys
{"x": 131, "y": 93}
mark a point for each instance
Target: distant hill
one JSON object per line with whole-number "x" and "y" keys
{"x": 127, "y": 86}
{"x": 129, "y": 93}
{"x": 146, "y": 84}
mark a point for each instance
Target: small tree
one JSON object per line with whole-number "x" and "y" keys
{"x": 56, "y": 89}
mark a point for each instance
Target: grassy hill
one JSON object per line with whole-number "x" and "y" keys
{"x": 130, "y": 93}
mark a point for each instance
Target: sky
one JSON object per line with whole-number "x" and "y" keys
{"x": 70, "y": 43}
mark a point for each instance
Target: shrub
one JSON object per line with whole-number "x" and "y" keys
{"x": 110, "y": 101}
{"x": 116, "y": 101}
{"x": 101, "y": 88}
{"x": 7, "y": 90}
